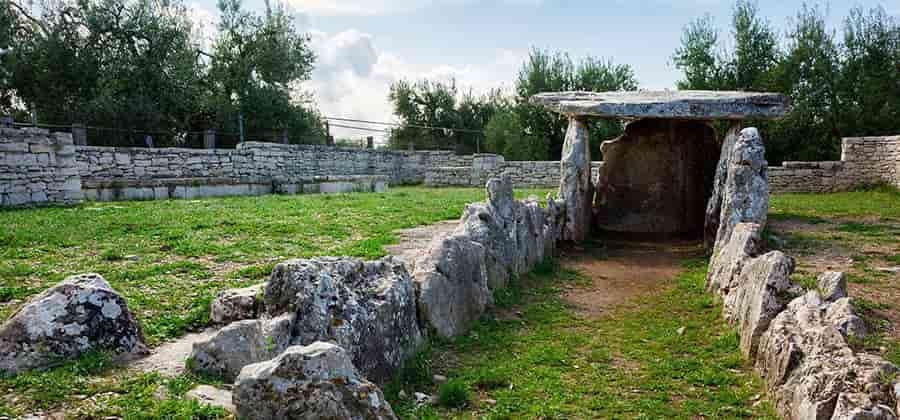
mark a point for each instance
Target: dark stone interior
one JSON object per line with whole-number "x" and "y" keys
{"x": 657, "y": 177}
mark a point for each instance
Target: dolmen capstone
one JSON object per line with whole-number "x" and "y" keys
{"x": 799, "y": 340}
{"x": 80, "y": 314}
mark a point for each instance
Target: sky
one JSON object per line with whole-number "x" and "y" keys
{"x": 363, "y": 46}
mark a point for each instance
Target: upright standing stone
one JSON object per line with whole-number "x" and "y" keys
{"x": 746, "y": 194}
{"x": 714, "y": 206}
{"x": 575, "y": 187}
{"x": 209, "y": 139}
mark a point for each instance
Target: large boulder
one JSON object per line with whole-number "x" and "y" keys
{"x": 241, "y": 343}
{"x": 575, "y": 187}
{"x": 452, "y": 282}
{"x": 82, "y": 313}
{"x": 746, "y": 192}
{"x": 317, "y": 381}
{"x": 237, "y": 304}
{"x": 366, "y": 307}
{"x": 812, "y": 372}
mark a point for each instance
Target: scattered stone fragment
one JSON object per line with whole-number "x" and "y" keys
{"x": 439, "y": 379}
{"x": 237, "y": 304}
{"x": 832, "y": 285}
{"x": 242, "y": 343}
{"x": 314, "y": 381}
{"x": 212, "y": 396}
{"x": 82, "y": 313}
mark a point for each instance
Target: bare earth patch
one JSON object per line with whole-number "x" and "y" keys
{"x": 169, "y": 358}
{"x": 624, "y": 269}
{"x": 413, "y": 241}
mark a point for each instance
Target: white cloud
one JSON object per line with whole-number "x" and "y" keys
{"x": 352, "y": 77}
{"x": 380, "y": 7}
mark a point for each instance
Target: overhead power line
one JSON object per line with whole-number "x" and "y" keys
{"x": 392, "y": 124}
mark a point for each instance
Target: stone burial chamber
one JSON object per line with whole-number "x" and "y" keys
{"x": 662, "y": 174}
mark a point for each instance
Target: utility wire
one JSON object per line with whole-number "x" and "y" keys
{"x": 461, "y": 130}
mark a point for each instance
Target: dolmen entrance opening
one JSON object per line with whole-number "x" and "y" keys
{"x": 664, "y": 174}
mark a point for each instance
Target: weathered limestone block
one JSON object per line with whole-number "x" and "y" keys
{"x": 812, "y": 372}
{"x": 368, "y": 308}
{"x": 726, "y": 264}
{"x": 241, "y": 343}
{"x": 714, "y": 206}
{"x": 575, "y": 187}
{"x": 317, "y": 381}
{"x": 746, "y": 195}
{"x": 832, "y": 285}
{"x": 452, "y": 282}
{"x": 237, "y": 304}
{"x": 82, "y": 313}
{"x": 762, "y": 290}
{"x": 657, "y": 177}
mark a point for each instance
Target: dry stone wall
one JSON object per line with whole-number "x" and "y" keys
{"x": 864, "y": 161}
{"x": 37, "y": 167}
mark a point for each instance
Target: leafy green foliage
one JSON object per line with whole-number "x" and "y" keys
{"x": 837, "y": 88}
{"x": 133, "y": 65}
{"x": 454, "y": 394}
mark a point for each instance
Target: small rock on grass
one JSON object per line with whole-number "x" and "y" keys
{"x": 213, "y": 396}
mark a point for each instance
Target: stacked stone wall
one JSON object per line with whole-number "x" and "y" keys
{"x": 37, "y": 167}
{"x": 864, "y": 161}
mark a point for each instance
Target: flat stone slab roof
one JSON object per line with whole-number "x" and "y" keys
{"x": 675, "y": 104}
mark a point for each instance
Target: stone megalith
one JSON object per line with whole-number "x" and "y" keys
{"x": 82, "y": 313}
{"x": 317, "y": 381}
{"x": 575, "y": 187}
{"x": 242, "y": 343}
{"x": 745, "y": 197}
{"x": 452, "y": 282}
{"x": 367, "y": 307}
{"x": 714, "y": 206}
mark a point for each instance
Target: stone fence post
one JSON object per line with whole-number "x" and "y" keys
{"x": 284, "y": 137}
{"x": 79, "y": 134}
{"x": 209, "y": 139}
{"x": 370, "y": 142}
{"x": 6, "y": 121}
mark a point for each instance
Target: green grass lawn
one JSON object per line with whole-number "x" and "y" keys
{"x": 631, "y": 363}
{"x": 169, "y": 258}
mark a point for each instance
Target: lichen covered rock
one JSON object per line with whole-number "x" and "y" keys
{"x": 237, "y": 304}
{"x": 452, "y": 282}
{"x": 82, "y": 313}
{"x": 366, "y": 307}
{"x": 241, "y": 343}
{"x": 317, "y": 381}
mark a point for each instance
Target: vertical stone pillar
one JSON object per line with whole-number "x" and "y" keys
{"x": 209, "y": 139}
{"x": 284, "y": 137}
{"x": 329, "y": 141}
{"x": 575, "y": 187}
{"x": 79, "y": 135}
{"x": 370, "y": 142}
{"x": 714, "y": 206}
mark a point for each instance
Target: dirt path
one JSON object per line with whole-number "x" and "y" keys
{"x": 169, "y": 358}
{"x": 622, "y": 268}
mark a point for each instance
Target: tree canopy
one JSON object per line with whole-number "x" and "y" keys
{"x": 839, "y": 87}
{"x": 134, "y": 64}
